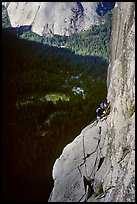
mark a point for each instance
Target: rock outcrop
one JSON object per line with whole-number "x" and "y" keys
{"x": 60, "y": 18}
{"x": 99, "y": 165}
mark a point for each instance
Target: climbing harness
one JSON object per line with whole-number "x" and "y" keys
{"x": 103, "y": 116}
{"x": 107, "y": 111}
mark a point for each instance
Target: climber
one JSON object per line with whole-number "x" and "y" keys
{"x": 103, "y": 111}
{"x": 99, "y": 113}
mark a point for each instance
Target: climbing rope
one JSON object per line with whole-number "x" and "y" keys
{"x": 84, "y": 157}
{"x": 93, "y": 170}
{"x": 93, "y": 120}
{"x": 87, "y": 179}
{"x": 85, "y": 153}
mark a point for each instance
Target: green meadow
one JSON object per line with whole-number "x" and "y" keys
{"x": 54, "y": 97}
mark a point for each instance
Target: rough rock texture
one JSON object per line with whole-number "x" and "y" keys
{"x": 105, "y": 151}
{"x": 61, "y": 18}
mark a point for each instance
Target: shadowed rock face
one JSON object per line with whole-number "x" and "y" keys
{"x": 61, "y": 18}
{"x": 104, "y": 152}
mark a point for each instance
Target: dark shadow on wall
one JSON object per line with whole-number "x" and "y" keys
{"x": 104, "y": 7}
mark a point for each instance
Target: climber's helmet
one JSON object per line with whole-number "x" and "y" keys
{"x": 102, "y": 105}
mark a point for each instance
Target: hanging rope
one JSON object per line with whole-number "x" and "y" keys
{"x": 93, "y": 120}
{"x": 88, "y": 182}
{"x": 85, "y": 154}
{"x": 84, "y": 157}
{"x": 87, "y": 179}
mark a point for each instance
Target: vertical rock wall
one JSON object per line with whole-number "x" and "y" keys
{"x": 99, "y": 165}
{"x": 49, "y": 18}
{"x": 60, "y": 18}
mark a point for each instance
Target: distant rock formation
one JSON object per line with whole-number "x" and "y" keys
{"x": 104, "y": 152}
{"x": 60, "y": 18}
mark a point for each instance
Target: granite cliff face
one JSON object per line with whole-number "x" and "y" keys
{"x": 60, "y": 18}
{"x": 99, "y": 165}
